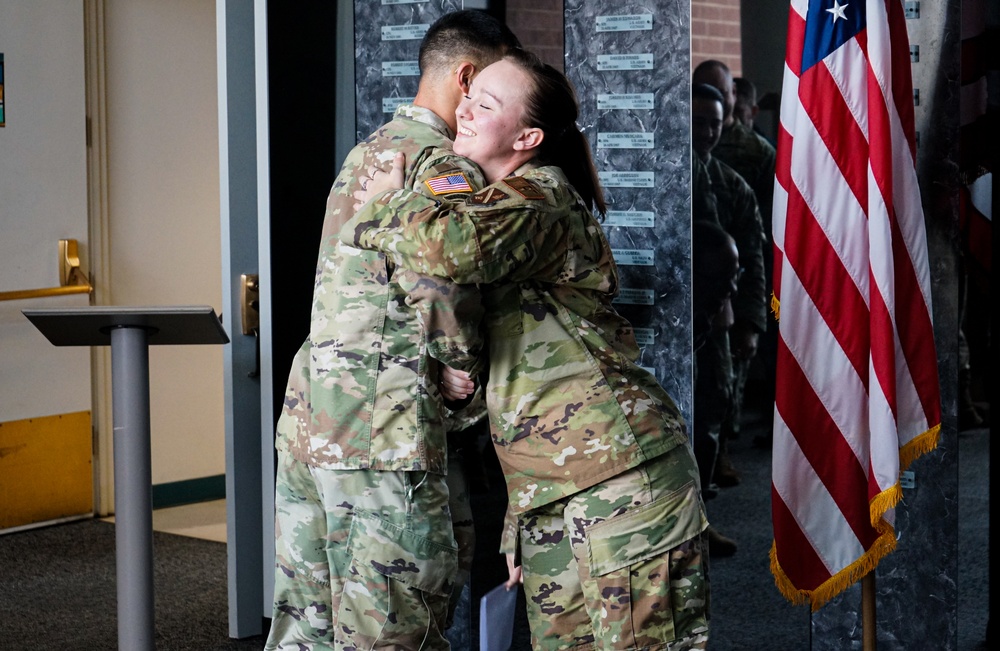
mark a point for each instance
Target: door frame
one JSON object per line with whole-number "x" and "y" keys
{"x": 242, "y": 75}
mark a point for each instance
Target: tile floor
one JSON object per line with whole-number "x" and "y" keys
{"x": 205, "y": 520}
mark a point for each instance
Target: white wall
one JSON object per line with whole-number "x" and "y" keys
{"x": 163, "y": 187}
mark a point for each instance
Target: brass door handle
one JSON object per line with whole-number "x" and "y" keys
{"x": 250, "y": 313}
{"x": 71, "y": 279}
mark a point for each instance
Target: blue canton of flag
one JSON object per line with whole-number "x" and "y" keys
{"x": 449, "y": 183}
{"x": 830, "y": 24}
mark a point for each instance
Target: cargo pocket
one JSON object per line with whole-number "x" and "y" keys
{"x": 397, "y": 585}
{"x": 631, "y": 595}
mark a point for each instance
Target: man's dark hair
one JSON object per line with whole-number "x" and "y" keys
{"x": 707, "y": 65}
{"x": 706, "y": 91}
{"x": 468, "y": 35}
{"x": 745, "y": 90}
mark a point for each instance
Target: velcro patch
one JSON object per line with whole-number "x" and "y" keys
{"x": 524, "y": 187}
{"x": 487, "y": 197}
{"x": 448, "y": 183}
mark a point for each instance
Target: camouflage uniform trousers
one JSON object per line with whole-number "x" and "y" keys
{"x": 364, "y": 559}
{"x": 621, "y": 565}
{"x": 713, "y": 399}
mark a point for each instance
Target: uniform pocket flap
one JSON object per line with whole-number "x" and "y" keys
{"x": 645, "y": 531}
{"x": 402, "y": 555}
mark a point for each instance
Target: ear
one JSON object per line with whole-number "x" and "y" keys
{"x": 464, "y": 75}
{"x": 529, "y": 138}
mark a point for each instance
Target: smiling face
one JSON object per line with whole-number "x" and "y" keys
{"x": 490, "y": 128}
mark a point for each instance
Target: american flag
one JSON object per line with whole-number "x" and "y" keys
{"x": 857, "y": 387}
{"x": 448, "y": 183}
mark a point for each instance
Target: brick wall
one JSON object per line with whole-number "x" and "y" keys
{"x": 715, "y": 33}
{"x": 539, "y": 25}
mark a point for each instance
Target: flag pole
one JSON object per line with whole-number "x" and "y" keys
{"x": 868, "y": 631}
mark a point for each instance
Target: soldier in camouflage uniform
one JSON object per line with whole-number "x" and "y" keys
{"x": 736, "y": 211}
{"x": 366, "y": 554}
{"x": 753, "y": 158}
{"x": 604, "y": 502}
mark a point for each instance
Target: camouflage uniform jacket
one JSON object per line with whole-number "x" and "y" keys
{"x": 569, "y": 407}
{"x": 738, "y": 215}
{"x": 363, "y": 392}
{"x": 753, "y": 158}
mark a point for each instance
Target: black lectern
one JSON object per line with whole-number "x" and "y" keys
{"x": 130, "y": 331}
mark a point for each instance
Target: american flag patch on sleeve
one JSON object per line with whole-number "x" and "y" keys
{"x": 448, "y": 183}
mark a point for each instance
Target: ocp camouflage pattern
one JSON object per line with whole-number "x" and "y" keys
{"x": 568, "y": 405}
{"x": 362, "y": 392}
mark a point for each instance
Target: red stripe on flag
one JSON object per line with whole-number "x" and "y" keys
{"x": 821, "y": 98}
{"x": 796, "y": 556}
{"x": 822, "y": 443}
{"x": 902, "y": 85}
{"x": 850, "y": 439}
{"x": 830, "y": 287}
{"x": 783, "y": 158}
{"x": 916, "y": 331}
{"x": 796, "y": 40}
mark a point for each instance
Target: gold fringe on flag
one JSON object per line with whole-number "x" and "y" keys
{"x": 884, "y": 544}
{"x": 775, "y": 307}
{"x": 919, "y": 446}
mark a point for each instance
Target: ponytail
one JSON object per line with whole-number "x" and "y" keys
{"x": 571, "y": 152}
{"x": 551, "y": 106}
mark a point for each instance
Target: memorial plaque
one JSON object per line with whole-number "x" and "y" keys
{"x": 387, "y": 37}
{"x": 630, "y": 64}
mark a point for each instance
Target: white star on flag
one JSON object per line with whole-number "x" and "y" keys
{"x": 837, "y": 11}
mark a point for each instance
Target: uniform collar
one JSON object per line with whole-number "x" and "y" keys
{"x": 426, "y": 116}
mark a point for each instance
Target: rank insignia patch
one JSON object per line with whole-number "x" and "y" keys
{"x": 487, "y": 197}
{"x": 448, "y": 183}
{"x": 524, "y": 187}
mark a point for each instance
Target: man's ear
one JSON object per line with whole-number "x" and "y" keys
{"x": 464, "y": 75}
{"x": 529, "y": 138}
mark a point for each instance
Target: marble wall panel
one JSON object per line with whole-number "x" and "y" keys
{"x": 630, "y": 63}
{"x": 387, "y": 36}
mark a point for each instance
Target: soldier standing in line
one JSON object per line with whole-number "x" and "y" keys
{"x": 365, "y": 549}
{"x": 736, "y": 211}
{"x": 753, "y": 158}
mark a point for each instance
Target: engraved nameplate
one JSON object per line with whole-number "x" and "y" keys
{"x": 627, "y": 23}
{"x": 404, "y": 32}
{"x": 631, "y": 218}
{"x": 620, "y": 179}
{"x": 611, "y": 101}
{"x": 400, "y": 69}
{"x": 624, "y": 140}
{"x": 608, "y": 62}
{"x": 632, "y": 296}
